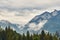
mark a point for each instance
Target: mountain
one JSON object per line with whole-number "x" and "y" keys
{"x": 39, "y": 21}
{"x": 5, "y": 23}
{"x": 39, "y": 18}
{"x": 53, "y": 24}
{"x": 44, "y": 16}
{"x": 48, "y": 21}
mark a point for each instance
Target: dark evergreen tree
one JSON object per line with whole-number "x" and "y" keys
{"x": 23, "y": 37}
{"x": 51, "y": 37}
{"x": 55, "y": 37}
{"x": 31, "y": 37}
{"x": 42, "y": 35}
{"x": 28, "y": 35}
{"x": 9, "y": 34}
{"x": 59, "y": 38}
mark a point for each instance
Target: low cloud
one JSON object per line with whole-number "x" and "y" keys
{"x": 17, "y": 16}
{"x": 22, "y": 11}
{"x": 35, "y": 27}
{"x": 28, "y": 4}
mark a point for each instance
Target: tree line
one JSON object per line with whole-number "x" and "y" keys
{"x": 9, "y": 34}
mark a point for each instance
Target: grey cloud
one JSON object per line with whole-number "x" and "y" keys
{"x": 35, "y": 5}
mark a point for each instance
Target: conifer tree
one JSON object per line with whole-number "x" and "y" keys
{"x": 31, "y": 37}
{"x": 51, "y": 37}
{"x": 28, "y": 35}
{"x": 55, "y": 37}
{"x": 42, "y": 35}
{"x": 23, "y": 37}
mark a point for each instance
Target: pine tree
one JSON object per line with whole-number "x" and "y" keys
{"x": 59, "y": 38}
{"x": 42, "y": 36}
{"x": 9, "y": 34}
{"x": 55, "y": 37}
{"x": 23, "y": 37}
{"x": 20, "y": 37}
{"x": 51, "y": 37}
{"x": 47, "y": 36}
{"x": 0, "y": 28}
{"x": 31, "y": 37}
{"x": 28, "y": 35}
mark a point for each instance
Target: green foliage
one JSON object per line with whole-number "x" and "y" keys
{"x": 55, "y": 37}
{"x": 31, "y": 37}
{"x": 9, "y": 34}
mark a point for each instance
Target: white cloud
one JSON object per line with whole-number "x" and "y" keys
{"x": 38, "y": 4}
{"x": 17, "y": 17}
{"x": 35, "y": 27}
{"x": 22, "y": 11}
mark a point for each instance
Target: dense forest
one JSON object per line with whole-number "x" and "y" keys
{"x": 9, "y": 34}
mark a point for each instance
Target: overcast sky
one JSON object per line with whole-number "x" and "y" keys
{"x": 29, "y": 4}
{"x": 25, "y": 9}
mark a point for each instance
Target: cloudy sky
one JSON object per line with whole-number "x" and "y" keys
{"x": 22, "y": 11}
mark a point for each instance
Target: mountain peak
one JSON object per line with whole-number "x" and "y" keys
{"x": 55, "y": 10}
{"x": 44, "y": 17}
